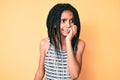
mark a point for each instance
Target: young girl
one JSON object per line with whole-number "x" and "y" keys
{"x": 61, "y": 53}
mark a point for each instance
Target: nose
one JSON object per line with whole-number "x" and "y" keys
{"x": 68, "y": 24}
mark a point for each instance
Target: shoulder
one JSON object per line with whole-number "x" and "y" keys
{"x": 44, "y": 44}
{"x": 44, "y": 41}
{"x": 81, "y": 43}
{"x": 81, "y": 46}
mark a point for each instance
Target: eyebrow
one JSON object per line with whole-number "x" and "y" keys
{"x": 66, "y": 19}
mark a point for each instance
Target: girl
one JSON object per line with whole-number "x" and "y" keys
{"x": 61, "y": 53}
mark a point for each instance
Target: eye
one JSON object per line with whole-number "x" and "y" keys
{"x": 72, "y": 21}
{"x": 63, "y": 20}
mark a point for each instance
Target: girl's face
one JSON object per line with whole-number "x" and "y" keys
{"x": 67, "y": 21}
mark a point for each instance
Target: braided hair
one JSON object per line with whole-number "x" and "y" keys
{"x": 53, "y": 24}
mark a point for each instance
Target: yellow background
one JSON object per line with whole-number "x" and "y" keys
{"x": 23, "y": 25}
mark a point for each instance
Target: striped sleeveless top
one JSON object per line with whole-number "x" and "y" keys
{"x": 56, "y": 66}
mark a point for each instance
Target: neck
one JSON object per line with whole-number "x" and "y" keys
{"x": 63, "y": 42}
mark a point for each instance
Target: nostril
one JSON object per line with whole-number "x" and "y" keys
{"x": 68, "y": 25}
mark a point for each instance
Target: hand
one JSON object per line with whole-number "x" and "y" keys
{"x": 72, "y": 32}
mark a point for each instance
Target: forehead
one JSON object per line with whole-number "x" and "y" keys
{"x": 67, "y": 14}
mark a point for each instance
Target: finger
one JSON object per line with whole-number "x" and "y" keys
{"x": 73, "y": 28}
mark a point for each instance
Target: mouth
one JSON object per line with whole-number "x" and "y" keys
{"x": 66, "y": 31}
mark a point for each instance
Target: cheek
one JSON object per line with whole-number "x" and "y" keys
{"x": 61, "y": 25}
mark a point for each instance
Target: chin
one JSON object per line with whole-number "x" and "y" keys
{"x": 64, "y": 35}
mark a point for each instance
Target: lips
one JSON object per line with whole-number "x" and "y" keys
{"x": 66, "y": 30}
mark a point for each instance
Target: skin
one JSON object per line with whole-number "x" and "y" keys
{"x": 68, "y": 30}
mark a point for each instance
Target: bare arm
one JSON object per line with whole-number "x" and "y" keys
{"x": 74, "y": 61}
{"x": 41, "y": 70}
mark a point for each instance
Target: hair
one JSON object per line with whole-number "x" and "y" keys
{"x": 53, "y": 24}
